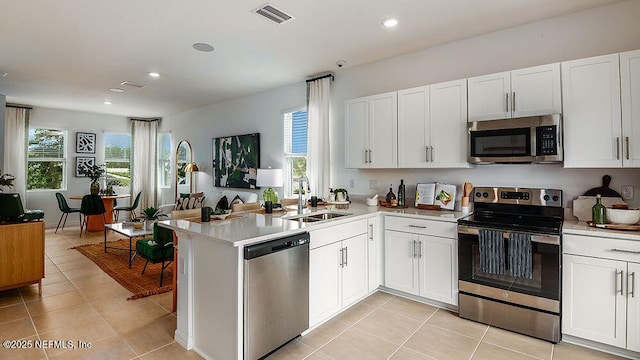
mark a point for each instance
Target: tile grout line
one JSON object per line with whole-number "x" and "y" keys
{"x": 46, "y": 356}
{"x": 413, "y": 333}
{"x": 479, "y": 342}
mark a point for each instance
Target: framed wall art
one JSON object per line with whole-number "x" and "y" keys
{"x": 85, "y": 143}
{"x": 236, "y": 160}
{"x": 84, "y": 161}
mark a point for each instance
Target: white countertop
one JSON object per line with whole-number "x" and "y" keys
{"x": 581, "y": 228}
{"x": 254, "y": 228}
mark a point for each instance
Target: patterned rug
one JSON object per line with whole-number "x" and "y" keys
{"x": 116, "y": 265}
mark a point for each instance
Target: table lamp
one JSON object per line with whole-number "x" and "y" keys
{"x": 191, "y": 167}
{"x": 269, "y": 177}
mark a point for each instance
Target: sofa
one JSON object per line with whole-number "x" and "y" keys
{"x": 211, "y": 198}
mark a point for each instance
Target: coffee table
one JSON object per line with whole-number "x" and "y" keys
{"x": 128, "y": 231}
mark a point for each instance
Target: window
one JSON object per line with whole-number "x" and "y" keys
{"x": 46, "y": 159}
{"x": 117, "y": 159}
{"x": 164, "y": 160}
{"x": 295, "y": 149}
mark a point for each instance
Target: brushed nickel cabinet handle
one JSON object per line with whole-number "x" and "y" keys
{"x": 621, "y": 273}
{"x": 633, "y": 284}
{"x": 506, "y": 102}
{"x": 617, "y": 148}
{"x": 366, "y": 158}
{"x": 371, "y": 236}
{"x": 432, "y": 154}
{"x": 370, "y": 156}
{"x": 626, "y": 251}
{"x": 417, "y": 226}
{"x": 346, "y": 256}
{"x": 513, "y": 102}
{"x": 420, "y": 249}
{"x": 415, "y": 254}
{"x": 626, "y": 140}
{"x": 426, "y": 153}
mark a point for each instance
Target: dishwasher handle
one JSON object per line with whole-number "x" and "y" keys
{"x": 276, "y": 245}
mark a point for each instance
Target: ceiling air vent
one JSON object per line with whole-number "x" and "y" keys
{"x": 273, "y": 14}
{"x": 133, "y": 84}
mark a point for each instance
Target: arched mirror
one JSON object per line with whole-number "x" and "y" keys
{"x": 184, "y": 156}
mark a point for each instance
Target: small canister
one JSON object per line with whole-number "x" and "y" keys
{"x": 205, "y": 214}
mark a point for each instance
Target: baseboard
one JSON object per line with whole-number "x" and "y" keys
{"x": 600, "y": 347}
{"x": 420, "y": 299}
{"x": 183, "y": 341}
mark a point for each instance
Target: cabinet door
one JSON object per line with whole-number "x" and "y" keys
{"x": 354, "y": 271}
{"x": 536, "y": 91}
{"x": 489, "y": 97}
{"x": 630, "y": 85}
{"x": 383, "y": 130}
{"x": 448, "y": 119}
{"x": 324, "y": 282}
{"x": 356, "y": 117}
{"x": 413, "y": 128}
{"x": 374, "y": 252}
{"x": 592, "y": 115}
{"x": 439, "y": 269}
{"x": 633, "y": 314}
{"x": 592, "y": 304}
{"x": 400, "y": 261}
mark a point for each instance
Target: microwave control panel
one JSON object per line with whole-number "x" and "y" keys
{"x": 547, "y": 141}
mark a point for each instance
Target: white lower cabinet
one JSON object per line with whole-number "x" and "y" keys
{"x": 338, "y": 269}
{"x": 600, "y": 300}
{"x": 419, "y": 263}
{"x": 374, "y": 252}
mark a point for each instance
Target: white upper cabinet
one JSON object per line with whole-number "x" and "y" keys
{"x": 371, "y": 125}
{"x": 592, "y": 113}
{"x": 630, "y": 86}
{"x": 524, "y": 92}
{"x": 489, "y": 97}
{"x": 432, "y": 126}
{"x": 413, "y": 128}
{"x": 448, "y": 133}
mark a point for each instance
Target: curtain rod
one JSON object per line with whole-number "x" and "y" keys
{"x": 147, "y": 120}
{"x": 17, "y": 106}
{"x": 322, "y": 77}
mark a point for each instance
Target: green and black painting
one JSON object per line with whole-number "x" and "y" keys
{"x": 236, "y": 160}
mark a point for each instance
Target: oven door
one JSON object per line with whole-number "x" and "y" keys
{"x": 545, "y": 266}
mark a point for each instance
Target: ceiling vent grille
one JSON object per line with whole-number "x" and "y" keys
{"x": 271, "y": 13}
{"x": 133, "y": 84}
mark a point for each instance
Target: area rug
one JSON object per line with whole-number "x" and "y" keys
{"x": 116, "y": 265}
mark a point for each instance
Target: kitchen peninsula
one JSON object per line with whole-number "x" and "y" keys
{"x": 211, "y": 267}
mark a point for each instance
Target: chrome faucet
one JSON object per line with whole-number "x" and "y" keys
{"x": 301, "y": 203}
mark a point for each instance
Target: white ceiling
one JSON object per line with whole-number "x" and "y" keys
{"x": 67, "y": 54}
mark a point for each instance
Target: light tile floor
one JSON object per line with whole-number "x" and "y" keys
{"x": 81, "y": 302}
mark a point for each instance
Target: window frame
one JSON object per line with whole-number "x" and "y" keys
{"x": 288, "y": 179}
{"x": 105, "y": 160}
{"x": 160, "y": 160}
{"x": 63, "y": 160}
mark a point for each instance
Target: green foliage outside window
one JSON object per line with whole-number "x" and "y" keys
{"x": 45, "y": 168}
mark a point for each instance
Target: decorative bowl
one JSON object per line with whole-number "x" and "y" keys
{"x": 137, "y": 224}
{"x": 623, "y": 216}
{"x": 221, "y": 216}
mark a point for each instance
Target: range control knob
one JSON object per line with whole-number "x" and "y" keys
{"x": 478, "y": 194}
{"x": 486, "y": 195}
{"x": 555, "y": 198}
{"x": 546, "y": 198}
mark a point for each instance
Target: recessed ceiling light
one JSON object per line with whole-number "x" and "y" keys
{"x": 107, "y": 102}
{"x": 3, "y": 74}
{"x": 390, "y": 22}
{"x": 154, "y": 74}
{"x": 116, "y": 90}
{"x": 203, "y": 47}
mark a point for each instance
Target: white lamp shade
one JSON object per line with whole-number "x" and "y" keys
{"x": 269, "y": 177}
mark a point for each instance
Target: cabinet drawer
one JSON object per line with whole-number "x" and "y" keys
{"x": 322, "y": 237}
{"x": 420, "y": 226}
{"x": 616, "y": 249}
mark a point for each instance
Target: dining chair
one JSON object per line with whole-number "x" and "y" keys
{"x": 131, "y": 209}
{"x": 91, "y": 205}
{"x": 66, "y": 210}
{"x": 158, "y": 249}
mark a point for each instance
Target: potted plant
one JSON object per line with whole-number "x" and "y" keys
{"x": 151, "y": 215}
{"x": 93, "y": 172}
{"x": 6, "y": 180}
{"x": 111, "y": 182}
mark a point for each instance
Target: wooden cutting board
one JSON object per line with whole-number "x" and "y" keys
{"x": 603, "y": 190}
{"x": 615, "y": 226}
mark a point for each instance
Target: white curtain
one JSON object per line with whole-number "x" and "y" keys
{"x": 318, "y": 136}
{"x": 145, "y": 134}
{"x": 15, "y": 161}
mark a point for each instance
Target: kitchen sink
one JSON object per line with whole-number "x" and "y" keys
{"x": 314, "y": 217}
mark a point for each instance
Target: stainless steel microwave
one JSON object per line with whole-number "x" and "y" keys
{"x": 535, "y": 139}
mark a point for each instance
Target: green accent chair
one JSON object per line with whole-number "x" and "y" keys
{"x": 11, "y": 209}
{"x": 132, "y": 208}
{"x": 161, "y": 252}
{"x": 91, "y": 205}
{"x": 66, "y": 210}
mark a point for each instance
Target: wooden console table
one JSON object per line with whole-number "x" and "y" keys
{"x": 21, "y": 254}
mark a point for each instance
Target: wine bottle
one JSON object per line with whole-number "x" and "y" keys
{"x": 401, "y": 194}
{"x": 599, "y": 212}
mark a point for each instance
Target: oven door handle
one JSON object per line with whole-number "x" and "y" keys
{"x": 538, "y": 238}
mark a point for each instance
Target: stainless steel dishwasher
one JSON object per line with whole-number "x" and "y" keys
{"x": 276, "y": 293}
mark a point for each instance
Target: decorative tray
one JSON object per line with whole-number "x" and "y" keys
{"x": 615, "y": 226}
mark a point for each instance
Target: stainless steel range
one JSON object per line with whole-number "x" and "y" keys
{"x": 509, "y": 260}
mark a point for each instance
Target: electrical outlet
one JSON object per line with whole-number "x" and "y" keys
{"x": 352, "y": 183}
{"x": 373, "y": 184}
{"x": 627, "y": 192}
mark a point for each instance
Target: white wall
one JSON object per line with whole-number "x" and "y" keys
{"x": 3, "y": 104}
